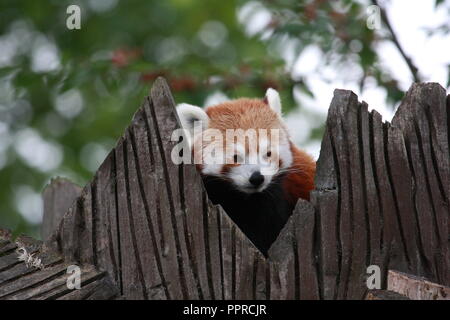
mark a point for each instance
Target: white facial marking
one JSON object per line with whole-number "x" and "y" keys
{"x": 285, "y": 153}
{"x": 212, "y": 169}
{"x": 240, "y": 177}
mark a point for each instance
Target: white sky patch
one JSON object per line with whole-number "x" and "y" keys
{"x": 22, "y": 33}
{"x": 392, "y": 60}
{"x": 254, "y": 16}
{"x": 356, "y": 45}
{"x": 8, "y": 48}
{"x": 92, "y": 155}
{"x": 308, "y": 61}
{"x": 29, "y": 204}
{"x": 299, "y": 126}
{"x": 410, "y": 21}
{"x": 215, "y": 98}
{"x": 312, "y": 148}
{"x": 375, "y": 97}
{"x": 285, "y": 47}
{"x": 44, "y": 56}
{"x": 429, "y": 54}
{"x": 37, "y": 152}
{"x": 69, "y": 104}
{"x": 16, "y": 42}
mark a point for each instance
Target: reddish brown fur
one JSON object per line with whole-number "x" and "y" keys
{"x": 246, "y": 114}
{"x": 243, "y": 114}
{"x": 300, "y": 181}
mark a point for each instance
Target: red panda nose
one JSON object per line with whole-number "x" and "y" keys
{"x": 256, "y": 179}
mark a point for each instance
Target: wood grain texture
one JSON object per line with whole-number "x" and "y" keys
{"x": 57, "y": 198}
{"x": 416, "y": 288}
{"x": 381, "y": 197}
{"x": 384, "y": 295}
{"x": 19, "y": 281}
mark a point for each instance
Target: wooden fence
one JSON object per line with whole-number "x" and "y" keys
{"x": 143, "y": 228}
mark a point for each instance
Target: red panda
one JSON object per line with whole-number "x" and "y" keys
{"x": 259, "y": 203}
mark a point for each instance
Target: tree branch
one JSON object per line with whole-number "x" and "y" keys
{"x": 414, "y": 70}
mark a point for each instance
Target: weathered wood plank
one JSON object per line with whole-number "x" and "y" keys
{"x": 227, "y": 235}
{"x": 58, "y": 288}
{"x": 145, "y": 223}
{"x": 58, "y": 196}
{"x": 283, "y": 256}
{"x": 164, "y": 213}
{"x": 165, "y": 120}
{"x": 327, "y": 202}
{"x": 34, "y": 284}
{"x": 307, "y": 255}
{"x": 214, "y": 265}
{"x": 132, "y": 270}
{"x": 8, "y": 261}
{"x": 384, "y": 295}
{"x": 374, "y": 217}
{"x": 403, "y": 185}
{"x": 19, "y": 280}
{"x": 423, "y": 119}
{"x": 336, "y": 122}
{"x": 260, "y": 282}
{"x": 102, "y": 289}
{"x": 108, "y": 237}
{"x": 416, "y": 288}
{"x": 392, "y": 252}
{"x": 7, "y": 248}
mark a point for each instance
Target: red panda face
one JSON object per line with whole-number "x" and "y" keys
{"x": 243, "y": 141}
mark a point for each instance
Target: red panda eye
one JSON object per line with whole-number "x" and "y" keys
{"x": 269, "y": 154}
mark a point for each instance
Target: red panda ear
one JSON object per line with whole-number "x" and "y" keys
{"x": 272, "y": 99}
{"x": 191, "y": 116}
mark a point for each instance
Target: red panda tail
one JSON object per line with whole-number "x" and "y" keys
{"x": 300, "y": 180}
